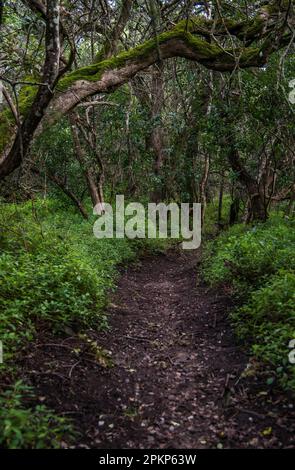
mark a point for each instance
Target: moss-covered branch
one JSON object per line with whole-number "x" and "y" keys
{"x": 211, "y": 54}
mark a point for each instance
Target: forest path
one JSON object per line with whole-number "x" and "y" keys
{"x": 176, "y": 377}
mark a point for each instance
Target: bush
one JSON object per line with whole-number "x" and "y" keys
{"x": 268, "y": 320}
{"x": 247, "y": 256}
{"x": 259, "y": 263}
{"x": 29, "y": 428}
{"x": 210, "y": 227}
{"x": 53, "y": 270}
{"x": 45, "y": 287}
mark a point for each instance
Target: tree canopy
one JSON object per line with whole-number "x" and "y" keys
{"x": 229, "y": 39}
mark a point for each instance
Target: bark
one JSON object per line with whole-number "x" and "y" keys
{"x": 157, "y": 135}
{"x": 198, "y": 189}
{"x": 207, "y": 106}
{"x": 257, "y": 208}
{"x": 94, "y": 183}
{"x": 234, "y": 210}
{"x": 152, "y": 100}
{"x": 13, "y": 159}
{"x": 203, "y": 185}
{"x": 88, "y": 131}
{"x": 10, "y": 103}
{"x": 37, "y": 6}
{"x": 220, "y": 201}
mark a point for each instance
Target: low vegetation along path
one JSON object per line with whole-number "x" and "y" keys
{"x": 176, "y": 377}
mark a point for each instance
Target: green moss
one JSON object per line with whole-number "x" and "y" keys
{"x": 6, "y": 125}
{"x": 183, "y": 30}
{"x": 276, "y": 7}
{"x": 7, "y": 121}
{"x": 205, "y": 49}
{"x": 253, "y": 28}
{"x": 26, "y": 98}
{"x": 208, "y": 51}
{"x": 94, "y": 72}
{"x": 249, "y": 54}
{"x": 202, "y": 26}
{"x": 100, "y": 55}
{"x": 193, "y": 24}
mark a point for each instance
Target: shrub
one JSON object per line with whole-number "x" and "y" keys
{"x": 268, "y": 321}
{"x": 259, "y": 263}
{"x": 53, "y": 270}
{"x": 29, "y": 428}
{"x": 247, "y": 256}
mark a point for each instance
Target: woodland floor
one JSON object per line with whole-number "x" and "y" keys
{"x": 176, "y": 380}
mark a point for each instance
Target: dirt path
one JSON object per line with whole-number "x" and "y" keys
{"x": 176, "y": 377}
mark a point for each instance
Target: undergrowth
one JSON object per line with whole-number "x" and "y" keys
{"x": 22, "y": 426}
{"x": 54, "y": 274}
{"x": 258, "y": 262}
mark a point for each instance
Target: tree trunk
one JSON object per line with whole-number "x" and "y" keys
{"x": 257, "y": 209}
{"x": 234, "y": 211}
{"x": 152, "y": 100}
{"x": 157, "y": 134}
{"x": 206, "y": 111}
{"x": 203, "y": 185}
{"x": 95, "y": 188}
{"x": 220, "y": 201}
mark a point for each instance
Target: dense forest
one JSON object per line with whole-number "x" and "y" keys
{"x": 120, "y": 342}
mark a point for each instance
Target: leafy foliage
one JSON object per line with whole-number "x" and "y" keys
{"x": 29, "y": 428}
{"x": 247, "y": 256}
{"x": 53, "y": 270}
{"x": 259, "y": 262}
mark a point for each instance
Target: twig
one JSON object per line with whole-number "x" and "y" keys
{"x": 139, "y": 338}
{"x": 73, "y": 367}
{"x": 62, "y": 377}
{"x": 249, "y": 412}
{"x": 53, "y": 345}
